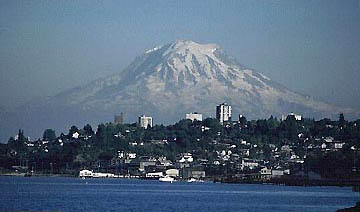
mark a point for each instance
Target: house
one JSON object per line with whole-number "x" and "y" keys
{"x": 249, "y": 163}
{"x": 329, "y": 139}
{"x": 184, "y": 160}
{"x": 145, "y": 162}
{"x": 163, "y": 161}
{"x": 131, "y": 155}
{"x": 85, "y": 173}
{"x": 265, "y": 173}
{"x": 338, "y": 145}
{"x": 76, "y": 135}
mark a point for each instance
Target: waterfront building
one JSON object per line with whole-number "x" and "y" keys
{"x": 172, "y": 173}
{"x": 145, "y": 121}
{"x": 194, "y": 116}
{"x": 85, "y": 173}
{"x": 223, "y": 113}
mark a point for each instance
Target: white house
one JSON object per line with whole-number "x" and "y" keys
{"x": 131, "y": 155}
{"x": 86, "y": 173}
{"x": 247, "y": 163}
{"x": 76, "y": 135}
{"x": 265, "y": 171}
{"x": 339, "y": 145}
{"x": 185, "y": 157}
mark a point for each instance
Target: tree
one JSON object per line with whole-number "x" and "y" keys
{"x": 49, "y": 135}
{"x": 73, "y": 129}
{"x": 88, "y": 130}
{"x": 18, "y": 143}
{"x": 242, "y": 121}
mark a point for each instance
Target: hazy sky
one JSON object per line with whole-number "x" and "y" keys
{"x": 309, "y": 46}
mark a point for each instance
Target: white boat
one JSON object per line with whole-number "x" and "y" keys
{"x": 192, "y": 180}
{"x": 166, "y": 179}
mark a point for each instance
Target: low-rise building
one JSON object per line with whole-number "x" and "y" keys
{"x": 172, "y": 173}
{"x": 193, "y": 172}
{"x": 154, "y": 175}
{"x": 145, "y": 162}
{"x": 103, "y": 175}
{"x": 145, "y": 121}
{"x": 194, "y": 116}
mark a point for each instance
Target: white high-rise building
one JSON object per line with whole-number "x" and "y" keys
{"x": 194, "y": 116}
{"x": 223, "y": 113}
{"x": 145, "y": 121}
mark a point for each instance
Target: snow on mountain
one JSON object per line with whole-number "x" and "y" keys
{"x": 170, "y": 80}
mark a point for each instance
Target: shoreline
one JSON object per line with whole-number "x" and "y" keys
{"x": 303, "y": 182}
{"x": 356, "y": 208}
{"x": 281, "y": 181}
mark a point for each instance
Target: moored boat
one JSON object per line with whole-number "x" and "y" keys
{"x": 166, "y": 179}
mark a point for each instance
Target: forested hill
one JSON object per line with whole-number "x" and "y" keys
{"x": 328, "y": 147}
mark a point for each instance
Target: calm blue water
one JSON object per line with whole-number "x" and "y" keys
{"x": 73, "y": 194}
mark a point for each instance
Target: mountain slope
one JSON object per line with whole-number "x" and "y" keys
{"x": 170, "y": 80}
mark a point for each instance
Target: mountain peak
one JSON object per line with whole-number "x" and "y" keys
{"x": 191, "y": 45}
{"x": 183, "y": 47}
{"x": 183, "y": 41}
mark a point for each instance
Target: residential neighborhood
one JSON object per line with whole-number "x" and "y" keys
{"x": 221, "y": 149}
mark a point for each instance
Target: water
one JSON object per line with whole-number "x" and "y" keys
{"x": 73, "y": 194}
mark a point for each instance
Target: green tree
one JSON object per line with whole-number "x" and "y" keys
{"x": 73, "y": 129}
{"x": 49, "y": 135}
{"x": 88, "y": 130}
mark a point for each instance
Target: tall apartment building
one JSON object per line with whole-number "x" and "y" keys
{"x": 145, "y": 121}
{"x": 223, "y": 113}
{"x": 194, "y": 116}
{"x": 119, "y": 119}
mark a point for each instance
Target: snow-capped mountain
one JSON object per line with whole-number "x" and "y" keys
{"x": 167, "y": 82}
{"x": 171, "y": 80}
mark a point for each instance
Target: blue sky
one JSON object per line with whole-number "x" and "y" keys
{"x": 312, "y": 47}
